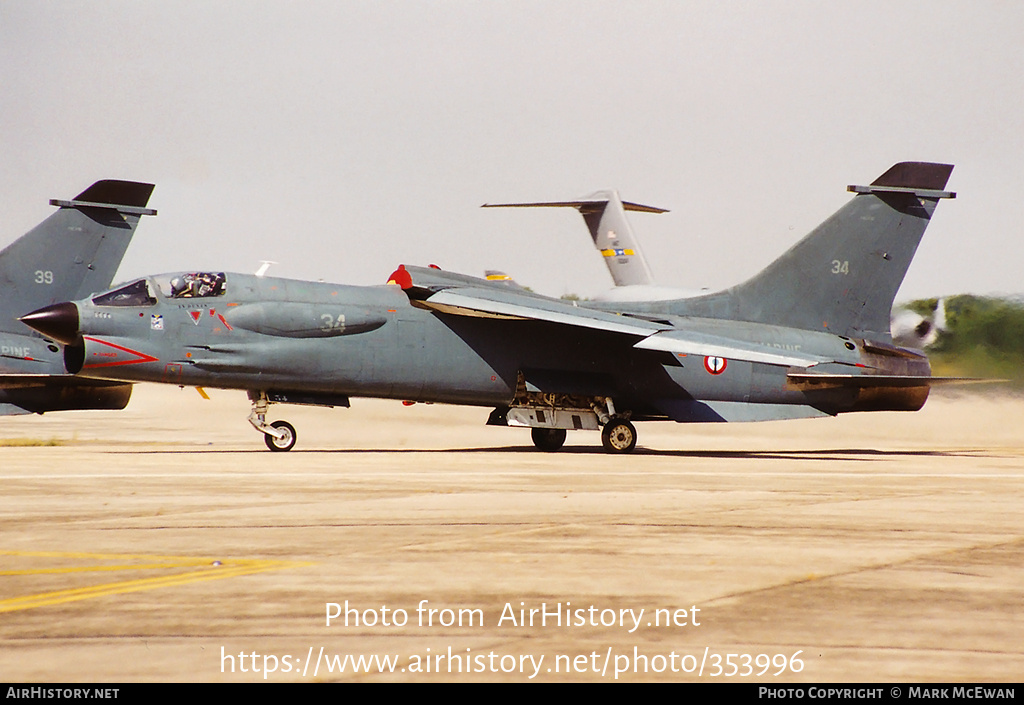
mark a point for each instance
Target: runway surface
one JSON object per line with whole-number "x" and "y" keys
{"x": 165, "y": 543}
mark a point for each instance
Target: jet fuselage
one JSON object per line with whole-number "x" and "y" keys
{"x": 286, "y": 336}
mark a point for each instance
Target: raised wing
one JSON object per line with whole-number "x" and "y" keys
{"x": 461, "y": 295}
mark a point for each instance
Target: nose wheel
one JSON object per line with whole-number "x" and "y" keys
{"x": 286, "y": 439}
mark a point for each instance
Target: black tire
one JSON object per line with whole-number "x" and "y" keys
{"x": 281, "y": 445}
{"x": 618, "y": 436}
{"x": 548, "y": 439}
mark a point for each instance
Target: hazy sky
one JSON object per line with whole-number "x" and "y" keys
{"x": 343, "y": 138}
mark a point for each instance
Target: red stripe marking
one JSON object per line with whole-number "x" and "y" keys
{"x": 142, "y": 357}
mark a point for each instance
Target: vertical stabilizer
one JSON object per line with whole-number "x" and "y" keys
{"x": 605, "y": 215}
{"x": 844, "y": 275}
{"x": 74, "y": 252}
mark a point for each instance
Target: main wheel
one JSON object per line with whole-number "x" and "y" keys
{"x": 548, "y": 439}
{"x": 618, "y": 436}
{"x": 285, "y": 442}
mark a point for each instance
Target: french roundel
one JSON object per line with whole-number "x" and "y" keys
{"x": 714, "y": 365}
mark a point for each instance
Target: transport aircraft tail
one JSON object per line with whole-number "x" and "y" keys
{"x": 605, "y": 215}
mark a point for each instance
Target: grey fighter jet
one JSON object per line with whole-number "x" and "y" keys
{"x": 808, "y": 336}
{"x": 71, "y": 254}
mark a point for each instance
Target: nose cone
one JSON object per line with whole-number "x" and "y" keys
{"x": 58, "y": 322}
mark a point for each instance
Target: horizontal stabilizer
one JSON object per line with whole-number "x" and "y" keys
{"x": 28, "y": 381}
{"x": 832, "y": 381}
{"x": 34, "y": 380}
{"x": 594, "y": 201}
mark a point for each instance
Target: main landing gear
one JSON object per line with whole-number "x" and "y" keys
{"x": 548, "y": 439}
{"x": 618, "y": 435}
{"x": 279, "y": 435}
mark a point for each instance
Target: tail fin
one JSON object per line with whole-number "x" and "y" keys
{"x": 605, "y": 215}
{"x": 844, "y": 275}
{"x": 74, "y": 252}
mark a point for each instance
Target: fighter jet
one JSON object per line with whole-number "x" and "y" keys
{"x": 74, "y": 252}
{"x": 808, "y": 336}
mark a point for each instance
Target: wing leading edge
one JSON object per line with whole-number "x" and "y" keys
{"x": 461, "y": 295}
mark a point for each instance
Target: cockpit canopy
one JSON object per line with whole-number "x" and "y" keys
{"x": 194, "y": 285}
{"x": 134, "y": 294}
{"x": 188, "y": 285}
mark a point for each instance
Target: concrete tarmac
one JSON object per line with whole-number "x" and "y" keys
{"x": 165, "y": 543}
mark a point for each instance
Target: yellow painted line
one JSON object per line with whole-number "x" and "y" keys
{"x": 227, "y": 569}
{"x": 91, "y": 568}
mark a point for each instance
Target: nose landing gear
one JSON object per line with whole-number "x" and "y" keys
{"x": 279, "y": 435}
